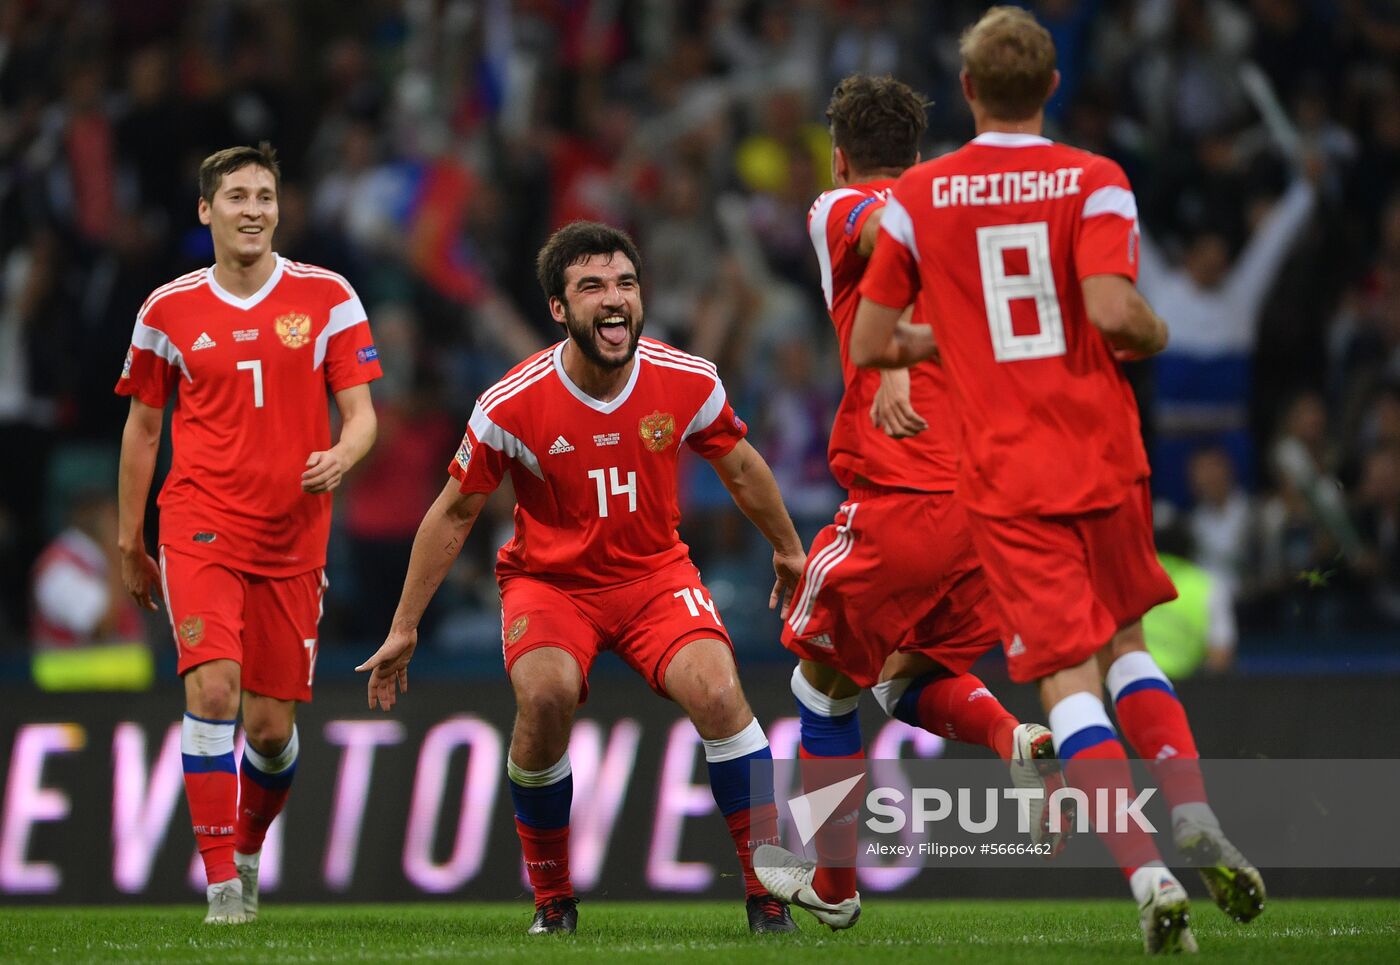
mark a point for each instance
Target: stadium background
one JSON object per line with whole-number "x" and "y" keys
{"x": 429, "y": 147}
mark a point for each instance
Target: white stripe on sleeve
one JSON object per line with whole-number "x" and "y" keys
{"x": 1111, "y": 200}
{"x": 490, "y": 434}
{"x": 898, "y": 225}
{"x": 344, "y": 316}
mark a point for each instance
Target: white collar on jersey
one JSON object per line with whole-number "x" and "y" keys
{"x": 1008, "y": 139}
{"x": 612, "y": 405}
{"x": 253, "y": 300}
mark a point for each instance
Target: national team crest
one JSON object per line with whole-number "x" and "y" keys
{"x": 294, "y": 330}
{"x": 657, "y": 430}
{"x": 191, "y": 631}
{"x": 517, "y": 629}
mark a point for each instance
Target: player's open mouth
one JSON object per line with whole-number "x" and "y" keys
{"x": 614, "y": 330}
{"x": 250, "y": 230}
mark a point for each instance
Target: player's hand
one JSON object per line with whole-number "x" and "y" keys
{"x": 140, "y": 575}
{"x": 388, "y": 668}
{"x": 892, "y": 411}
{"x": 788, "y": 567}
{"x": 324, "y": 470}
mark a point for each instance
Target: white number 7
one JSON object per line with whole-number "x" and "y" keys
{"x": 310, "y": 646}
{"x": 254, "y": 366}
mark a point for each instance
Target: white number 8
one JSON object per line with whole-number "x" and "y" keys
{"x": 1000, "y": 290}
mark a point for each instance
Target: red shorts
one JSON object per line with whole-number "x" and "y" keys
{"x": 266, "y": 624}
{"x": 645, "y": 622}
{"x": 895, "y": 572}
{"x": 1065, "y": 585}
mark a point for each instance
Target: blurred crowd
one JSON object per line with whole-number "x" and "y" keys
{"x": 429, "y": 146}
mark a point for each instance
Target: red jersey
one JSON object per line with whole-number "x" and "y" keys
{"x": 250, "y": 378}
{"x": 994, "y": 240}
{"x": 595, "y": 482}
{"x": 927, "y": 461}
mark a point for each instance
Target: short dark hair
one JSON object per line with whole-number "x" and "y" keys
{"x": 213, "y": 168}
{"x": 573, "y": 243}
{"x": 877, "y": 122}
{"x": 1011, "y": 60}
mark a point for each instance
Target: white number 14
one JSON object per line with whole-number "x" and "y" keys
{"x": 618, "y": 489}
{"x": 695, "y": 601}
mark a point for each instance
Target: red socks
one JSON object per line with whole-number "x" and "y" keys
{"x": 546, "y": 853}
{"x": 211, "y": 788}
{"x": 263, "y": 785}
{"x": 836, "y": 840}
{"x": 1154, "y": 722}
{"x": 1105, "y": 767}
{"x": 543, "y": 800}
{"x": 1095, "y": 761}
{"x": 959, "y": 708}
{"x": 749, "y": 828}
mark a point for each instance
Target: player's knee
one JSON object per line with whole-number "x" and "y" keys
{"x": 717, "y": 706}
{"x": 267, "y": 735}
{"x": 212, "y": 693}
{"x": 546, "y": 707}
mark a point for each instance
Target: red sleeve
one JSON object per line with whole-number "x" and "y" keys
{"x": 715, "y": 429}
{"x": 1107, "y": 240}
{"x": 153, "y": 365}
{"x": 854, "y": 212}
{"x": 892, "y": 278}
{"x": 479, "y": 465}
{"x": 351, "y": 358}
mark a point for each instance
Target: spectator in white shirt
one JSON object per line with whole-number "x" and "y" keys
{"x": 1213, "y": 308}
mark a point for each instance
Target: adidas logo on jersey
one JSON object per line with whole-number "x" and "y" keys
{"x": 204, "y": 341}
{"x": 1017, "y": 648}
{"x": 560, "y": 445}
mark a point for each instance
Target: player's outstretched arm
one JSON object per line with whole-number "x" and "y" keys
{"x": 750, "y": 482}
{"x": 140, "y": 441}
{"x": 1117, "y": 309}
{"x": 358, "y": 427}
{"x": 882, "y": 338}
{"x": 440, "y": 537}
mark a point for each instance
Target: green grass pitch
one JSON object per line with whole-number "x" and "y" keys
{"x": 612, "y": 932}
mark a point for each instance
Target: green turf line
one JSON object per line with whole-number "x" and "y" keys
{"x": 890, "y": 932}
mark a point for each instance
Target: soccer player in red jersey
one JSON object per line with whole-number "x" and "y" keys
{"x": 589, "y": 432}
{"x": 1022, "y": 254}
{"x": 911, "y": 632}
{"x": 248, "y": 348}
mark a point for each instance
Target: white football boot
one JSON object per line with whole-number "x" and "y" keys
{"x": 788, "y": 877}
{"x": 225, "y": 903}
{"x": 1165, "y": 912}
{"x": 1034, "y": 765}
{"x": 247, "y": 865}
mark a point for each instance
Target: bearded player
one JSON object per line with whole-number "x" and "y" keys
{"x": 1023, "y": 255}
{"x": 249, "y": 349}
{"x": 589, "y": 432}
{"x": 908, "y": 632}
